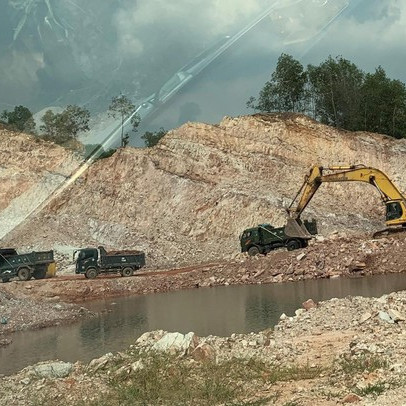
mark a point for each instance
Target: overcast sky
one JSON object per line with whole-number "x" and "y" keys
{"x": 374, "y": 36}
{"x": 66, "y": 51}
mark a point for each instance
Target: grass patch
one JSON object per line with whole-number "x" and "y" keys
{"x": 363, "y": 363}
{"x": 166, "y": 380}
{"x": 372, "y": 389}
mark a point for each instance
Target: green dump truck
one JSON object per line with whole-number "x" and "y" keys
{"x": 94, "y": 261}
{"x": 265, "y": 238}
{"x": 24, "y": 266}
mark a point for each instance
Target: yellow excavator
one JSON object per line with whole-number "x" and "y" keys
{"x": 394, "y": 200}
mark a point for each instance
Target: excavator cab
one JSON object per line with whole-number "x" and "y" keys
{"x": 394, "y": 210}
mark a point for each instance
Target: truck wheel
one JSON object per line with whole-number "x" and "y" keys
{"x": 91, "y": 273}
{"x": 40, "y": 273}
{"x": 5, "y": 280}
{"x": 305, "y": 244}
{"x": 127, "y": 272}
{"x": 293, "y": 245}
{"x": 252, "y": 251}
{"x": 24, "y": 274}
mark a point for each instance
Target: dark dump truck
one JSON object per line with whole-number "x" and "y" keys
{"x": 24, "y": 266}
{"x": 94, "y": 261}
{"x": 265, "y": 238}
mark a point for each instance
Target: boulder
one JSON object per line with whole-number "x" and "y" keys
{"x": 301, "y": 256}
{"x": 351, "y": 398}
{"x": 204, "y": 352}
{"x": 98, "y": 363}
{"x": 177, "y": 343}
{"x": 366, "y": 316}
{"x": 385, "y": 317}
{"x": 395, "y": 315}
{"x": 55, "y": 369}
{"x": 309, "y": 304}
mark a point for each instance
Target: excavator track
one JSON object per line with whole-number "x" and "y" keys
{"x": 389, "y": 231}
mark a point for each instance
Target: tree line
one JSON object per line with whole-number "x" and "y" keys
{"x": 337, "y": 93}
{"x": 63, "y": 128}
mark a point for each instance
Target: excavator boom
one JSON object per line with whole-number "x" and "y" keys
{"x": 391, "y": 196}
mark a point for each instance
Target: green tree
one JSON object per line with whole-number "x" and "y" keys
{"x": 335, "y": 89}
{"x": 338, "y": 93}
{"x": 286, "y": 91}
{"x": 122, "y": 107}
{"x": 64, "y": 126}
{"x": 20, "y": 119}
{"x": 152, "y": 138}
{"x": 383, "y": 104}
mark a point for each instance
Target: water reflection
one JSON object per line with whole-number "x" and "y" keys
{"x": 218, "y": 311}
{"x": 125, "y": 320}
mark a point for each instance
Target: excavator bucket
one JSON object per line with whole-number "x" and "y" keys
{"x": 295, "y": 228}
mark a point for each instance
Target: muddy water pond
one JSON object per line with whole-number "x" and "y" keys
{"x": 209, "y": 311}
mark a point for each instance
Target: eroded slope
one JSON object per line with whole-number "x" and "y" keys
{"x": 188, "y": 199}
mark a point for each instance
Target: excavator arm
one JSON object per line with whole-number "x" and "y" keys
{"x": 393, "y": 199}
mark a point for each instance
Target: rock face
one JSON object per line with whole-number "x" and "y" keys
{"x": 30, "y": 170}
{"x": 189, "y": 198}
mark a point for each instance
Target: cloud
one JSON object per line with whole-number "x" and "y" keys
{"x": 141, "y": 43}
{"x": 157, "y": 24}
{"x": 373, "y": 37}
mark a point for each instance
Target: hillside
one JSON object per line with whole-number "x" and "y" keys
{"x": 30, "y": 170}
{"x": 188, "y": 199}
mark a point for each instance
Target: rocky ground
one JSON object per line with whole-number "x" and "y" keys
{"x": 336, "y": 352}
{"x": 20, "y": 312}
{"x": 185, "y": 203}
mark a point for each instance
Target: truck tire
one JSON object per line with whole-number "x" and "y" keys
{"x": 127, "y": 271}
{"x": 293, "y": 245}
{"x": 24, "y": 274}
{"x": 305, "y": 244}
{"x": 91, "y": 273}
{"x": 40, "y": 273}
{"x": 5, "y": 280}
{"x": 252, "y": 251}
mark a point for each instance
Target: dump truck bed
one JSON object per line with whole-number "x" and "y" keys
{"x": 130, "y": 258}
{"x": 9, "y": 260}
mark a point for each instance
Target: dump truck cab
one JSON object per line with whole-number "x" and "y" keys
{"x": 94, "y": 261}
{"x": 85, "y": 258}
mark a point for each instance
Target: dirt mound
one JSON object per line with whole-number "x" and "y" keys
{"x": 188, "y": 199}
